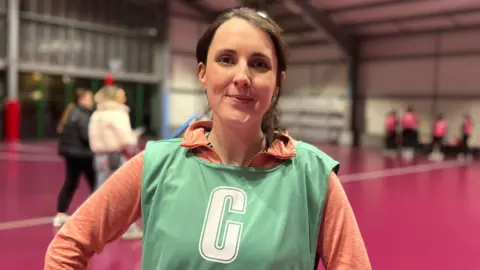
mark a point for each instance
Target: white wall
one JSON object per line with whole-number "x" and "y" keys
{"x": 317, "y": 82}
{"x": 436, "y": 73}
{"x": 186, "y": 94}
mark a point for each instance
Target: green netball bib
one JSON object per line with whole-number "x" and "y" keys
{"x": 198, "y": 215}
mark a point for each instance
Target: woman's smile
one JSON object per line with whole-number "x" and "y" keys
{"x": 240, "y": 99}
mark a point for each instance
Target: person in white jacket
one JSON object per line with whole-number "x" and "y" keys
{"x": 110, "y": 136}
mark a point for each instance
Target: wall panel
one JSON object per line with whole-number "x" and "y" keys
{"x": 184, "y": 73}
{"x": 184, "y": 34}
{"x": 460, "y": 41}
{"x": 414, "y": 45}
{"x": 434, "y": 72}
{"x": 3, "y": 36}
{"x": 331, "y": 80}
{"x": 186, "y": 94}
{"x": 184, "y": 10}
{"x": 410, "y": 76}
{"x": 315, "y": 54}
{"x": 185, "y": 104}
{"x": 459, "y": 75}
{"x": 87, "y": 35}
{"x": 297, "y": 79}
{"x": 327, "y": 79}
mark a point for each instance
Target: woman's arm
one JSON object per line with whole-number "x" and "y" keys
{"x": 340, "y": 243}
{"x": 102, "y": 218}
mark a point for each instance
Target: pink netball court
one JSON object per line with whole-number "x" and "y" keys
{"x": 350, "y": 63}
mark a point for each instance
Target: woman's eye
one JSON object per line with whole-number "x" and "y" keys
{"x": 225, "y": 59}
{"x": 260, "y": 64}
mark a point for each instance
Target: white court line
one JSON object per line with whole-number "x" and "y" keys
{"x": 28, "y": 147}
{"x": 26, "y": 223}
{"x": 344, "y": 178}
{"x": 29, "y": 157}
{"x": 402, "y": 170}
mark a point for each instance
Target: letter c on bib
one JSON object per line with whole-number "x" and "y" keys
{"x": 220, "y": 238}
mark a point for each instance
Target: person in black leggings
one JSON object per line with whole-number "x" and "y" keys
{"x": 391, "y": 127}
{"x": 75, "y": 149}
{"x": 466, "y": 133}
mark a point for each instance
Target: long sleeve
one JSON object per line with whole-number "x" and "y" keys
{"x": 123, "y": 129}
{"x": 101, "y": 219}
{"x": 111, "y": 131}
{"x": 340, "y": 242}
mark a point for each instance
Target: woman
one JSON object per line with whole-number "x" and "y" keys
{"x": 409, "y": 134}
{"x": 234, "y": 193}
{"x": 439, "y": 132}
{"x": 391, "y": 134}
{"x": 110, "y": 131}
{"x": 111, "y": 135}
{"x": 467, "y": 130}
{"x": 74, "y": 148}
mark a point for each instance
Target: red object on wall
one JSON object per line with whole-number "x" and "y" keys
{"x": 109, "y": 79}
{"x": 12, "y": 120}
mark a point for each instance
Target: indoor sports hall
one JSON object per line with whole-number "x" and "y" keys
{"x": 351, "y": 62}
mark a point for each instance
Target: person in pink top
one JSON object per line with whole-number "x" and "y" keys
{"x": 409, "y": 134}
{"x": 439, "y": 132}
{"x": 467, "y": 130}
{"x": 391, "y": 124}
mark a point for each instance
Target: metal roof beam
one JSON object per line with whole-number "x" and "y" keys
{"x": 426, "y": 15}
{"x": 364, "y": 6}
{"x": 307, "y": 43}
{"x": 320, "y": 20}
{"x": 208, "y": 14}
{"x": 442, "y": 30}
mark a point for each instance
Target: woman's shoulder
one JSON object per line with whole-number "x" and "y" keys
{"x": 161, "y": 145}
{"x": 112, "y": 106}
{"x": 78, "y": 112}
{"x": 304, "y": 148}
{"x": 310, "y": 153}
{"x": 111, "y": 109}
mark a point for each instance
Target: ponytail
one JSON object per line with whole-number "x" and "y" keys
{"x": 65, "y": 116}
{"x": 270, "y": 121}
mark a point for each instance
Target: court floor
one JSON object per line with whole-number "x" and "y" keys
{"x": 413, "y": 216}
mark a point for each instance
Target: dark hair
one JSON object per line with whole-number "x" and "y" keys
{"x": 79, "y": 93}
{"x": 270, "y": 122}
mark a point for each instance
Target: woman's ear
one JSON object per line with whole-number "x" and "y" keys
{"x": 282, "y": 78}
{"x": 201, "y": 69}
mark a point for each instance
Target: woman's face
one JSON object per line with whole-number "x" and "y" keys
{"x": 121, "y": 97}
{"x": 86, "y": 100}
{"x": 240, "y": 74}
